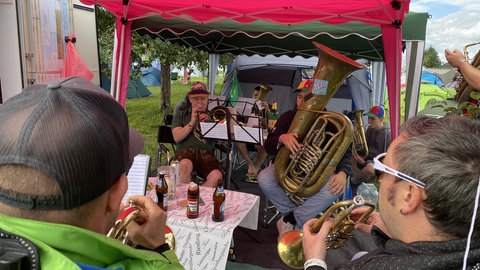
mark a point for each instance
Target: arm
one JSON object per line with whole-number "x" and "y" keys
{"x": 344, "y": 169}
{"x": 314, "y": 244}
{"x": 469, "y": 72}
{"x": 181, "y": 131}
{"x": 281, "y": 127}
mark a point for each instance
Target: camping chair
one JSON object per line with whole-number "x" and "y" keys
{"x": 164, "y": 136}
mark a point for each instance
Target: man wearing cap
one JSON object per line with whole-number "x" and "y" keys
{"x": 65, "y": 149}
{"x": 294, "y": 215}
{"x": 193, "y": 151}
{"x": 378, "y": 140}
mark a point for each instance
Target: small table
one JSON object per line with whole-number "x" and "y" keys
{"x": 202, "y": 243}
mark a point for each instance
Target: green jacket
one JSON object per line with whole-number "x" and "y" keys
{"x": 61, "y": 246}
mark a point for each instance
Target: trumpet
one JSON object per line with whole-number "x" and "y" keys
{"x": 290, "y": 244}
{"x": 133, "y": 212}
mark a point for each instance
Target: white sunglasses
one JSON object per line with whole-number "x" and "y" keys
{"x": 382, "y": 168}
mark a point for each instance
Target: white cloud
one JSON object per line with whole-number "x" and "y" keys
{"x": 453, "y": 25}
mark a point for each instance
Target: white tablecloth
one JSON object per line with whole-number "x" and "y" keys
{"x": 202, "y": 243}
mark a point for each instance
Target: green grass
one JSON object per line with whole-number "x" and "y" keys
{"x": 144, "y": 114}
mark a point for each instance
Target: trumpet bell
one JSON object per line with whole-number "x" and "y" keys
{"x": 290, "y": 249}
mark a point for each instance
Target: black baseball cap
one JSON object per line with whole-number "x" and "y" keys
{"x": 73, "y": 131}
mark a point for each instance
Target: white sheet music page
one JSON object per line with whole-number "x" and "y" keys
{"x": 138, "y": 176}
{"x": 248, "y": 134}
{"x": 214, "y": 130}
{"x": 214, "y": 101}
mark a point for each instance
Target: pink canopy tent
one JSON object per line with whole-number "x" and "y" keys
{"x": 388, "y": 14}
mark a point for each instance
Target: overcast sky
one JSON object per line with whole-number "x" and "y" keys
{"x": 453, "y": 24}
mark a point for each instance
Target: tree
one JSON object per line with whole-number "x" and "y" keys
{"x": 431, "y": 59}
{"x": 145, "y": 49}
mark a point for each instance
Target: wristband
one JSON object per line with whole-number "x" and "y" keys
{"x": 461, "y": 63}
{"x": 190, "y": 126}
{"x": 315, "y": 262}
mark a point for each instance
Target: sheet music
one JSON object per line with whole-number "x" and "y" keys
{"x": 214, "y": 130}
{"x": 248, "y": 134}
{"x": 138, "y": 176}
{"x": 244, "y": 105}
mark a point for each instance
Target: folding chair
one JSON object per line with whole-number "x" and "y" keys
{"x": 164, "y": 136}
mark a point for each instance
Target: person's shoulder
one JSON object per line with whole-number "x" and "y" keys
{"x": 181, "y": 105}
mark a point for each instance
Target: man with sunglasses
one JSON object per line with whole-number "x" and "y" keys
{"x": 428, "y": 201}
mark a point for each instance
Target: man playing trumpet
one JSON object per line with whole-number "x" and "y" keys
{"x": 64, "y": 154}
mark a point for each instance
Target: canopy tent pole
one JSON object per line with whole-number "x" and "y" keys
{"x": 392, "y": 45}
{"x": 378, "y": 77}
{"x": 213, "y": 60}
{"x": 414, "y": 60}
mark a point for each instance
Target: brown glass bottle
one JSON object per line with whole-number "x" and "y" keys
{"x": 218, "y": 202}
{"x": 161, "y": 189}
{"x": 193, "y": 194}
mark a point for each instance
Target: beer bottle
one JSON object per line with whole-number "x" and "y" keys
{"x": 218, "y": 202}
{"x": 273, "y": 116}
{"x": 193, "y": 194}
{"x": 162, "y": 191}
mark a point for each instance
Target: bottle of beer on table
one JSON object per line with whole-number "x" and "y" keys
{"x": 193, "y": 195}
{"x": 161, "y": 189}
{"x": 218, "y": 202}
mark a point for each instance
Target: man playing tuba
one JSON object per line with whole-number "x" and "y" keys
{"x": 294, "y": 215}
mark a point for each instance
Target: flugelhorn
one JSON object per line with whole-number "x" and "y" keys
{"x": 133, "y": 212}
{"x": 290, "y": 247}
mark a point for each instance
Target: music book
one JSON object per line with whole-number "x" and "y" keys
{"x": 138, "y": 176}
{"x": 214, "y": 130}
{"x": 248, "y": 134}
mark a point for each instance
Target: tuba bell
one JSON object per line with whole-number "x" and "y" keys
{"x": 262, "y": 114}
{"x": 303, "y": 174}
{"x": 290, "y": 247}
{"x": 464, "y": 89}
{"x": 360, "y": 146}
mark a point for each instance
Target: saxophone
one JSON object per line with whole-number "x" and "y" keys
{"x": 303, "y": 174}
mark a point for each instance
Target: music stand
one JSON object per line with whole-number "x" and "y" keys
{"x": 232, "y": 130}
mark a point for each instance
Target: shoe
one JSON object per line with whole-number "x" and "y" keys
{"x": 251, "y": 178}
{"x": 284, "y": 227}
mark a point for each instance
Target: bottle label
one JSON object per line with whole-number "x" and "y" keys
{"x": 165, "y": 202}
{"x": 192, "y": 206}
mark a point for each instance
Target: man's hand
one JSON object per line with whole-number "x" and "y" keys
{"x": 372, "y": 220}
{"x": 290, "y": 141}
{"x": 338, "y": 183}
{"x": 315, "y": 244}
{"x": 151, "y": 233}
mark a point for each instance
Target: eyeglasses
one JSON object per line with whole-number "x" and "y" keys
{"x": 382, "y": 168}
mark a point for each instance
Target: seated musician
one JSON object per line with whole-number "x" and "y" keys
{"x": 64, "y": 154}
{"x": 294, "y": 215}
{"x": 243, "y": 148}
{"x": 428, "y": 201}
{"x": 193, "y": 151}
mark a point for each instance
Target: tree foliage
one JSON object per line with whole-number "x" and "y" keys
{"x": 431, "y": 59}
{"x": 145, "y": 49}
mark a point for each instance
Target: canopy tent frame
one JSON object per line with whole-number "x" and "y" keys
{"x": 388, "y": 14}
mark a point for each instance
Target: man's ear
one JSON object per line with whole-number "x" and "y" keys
{"x": 412, "y": 198}
{"x": 116, "y": 193}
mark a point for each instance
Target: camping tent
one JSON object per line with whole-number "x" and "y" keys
{"x": 151, "y": 76}
{"x": 284, "y": 74}
{"x": 386, "y": 15}
{"x": 136, "y": 88}
{"x": 431, "y": 77}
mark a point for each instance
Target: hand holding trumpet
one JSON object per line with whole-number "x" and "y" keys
{"x": 147, "y": 229}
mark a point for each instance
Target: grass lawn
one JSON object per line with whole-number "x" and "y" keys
{"x": 144, "y": 114}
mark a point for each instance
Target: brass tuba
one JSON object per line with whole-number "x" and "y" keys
{"x": 290, "y": 247}
{"x": 262, "y": 114}
{"x": 303, "y": 174}
{"x": 133, "y": 212}
{"x": 464, "y": 89}
{"x": 360, "y": 146}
